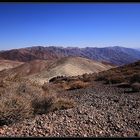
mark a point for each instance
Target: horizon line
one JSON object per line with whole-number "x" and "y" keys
{"x": 67, "y": 47}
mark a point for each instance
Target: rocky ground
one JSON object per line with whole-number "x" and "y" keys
{"x": 101, "y": 111}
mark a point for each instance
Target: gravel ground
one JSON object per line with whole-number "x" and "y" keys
{"x": 101, "y": 111}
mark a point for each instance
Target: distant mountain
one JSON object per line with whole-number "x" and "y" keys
{"x": 115, "y": 55}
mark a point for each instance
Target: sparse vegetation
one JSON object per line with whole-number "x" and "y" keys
{"x": 114, "y": 79}
{"x": 48, "y": 103}
{"x": 21, "y": 101}
{"x": 87, "y": 77}
{"x": 62, "y": 104}
{"x": 43, "y": 104}
{"x": 77, "y": 85}
{"x": 125, "y": 74}
{"x": 14, "y": 108}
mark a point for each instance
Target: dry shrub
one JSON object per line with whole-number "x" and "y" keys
{"x": 3, "y": 84}
{"x": 50, "y": 103}
{"x": 110, "y": 77}
{"x": 100, "y": 78}
{"x": 77, "y": 85}
{"x": 13, "y": 109}
{"x": 25, "y": 101}
{"x": 28, "y": 91}
{"x": 68, "y": 85}
{"x": 128, "y": 72}
{"x": 45, "y": 86}
{"x": 16, "y": 102}
{"x": 53, "y": 87}
{"x": 115, "y": 80}
{"x": 88, "y": 77}
{"x": 62, "y": 104}
{"x": 64, "y": 86}
{"x": 43, "y": 104}
{"x": 22, "y": 89}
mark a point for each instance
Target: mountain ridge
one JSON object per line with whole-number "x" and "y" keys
{"x": 116, "y": 55}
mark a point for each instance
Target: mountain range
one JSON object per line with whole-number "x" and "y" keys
{"x": 115, "y": 55}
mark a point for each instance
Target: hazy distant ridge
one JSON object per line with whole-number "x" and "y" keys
{"x": 115, "y": 55}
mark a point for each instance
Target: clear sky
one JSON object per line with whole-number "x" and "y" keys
{"x": 69, "y": 24}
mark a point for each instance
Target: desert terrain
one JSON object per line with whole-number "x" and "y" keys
{"x": 70, "y": 97}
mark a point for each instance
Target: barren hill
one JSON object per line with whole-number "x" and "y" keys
{"x": 25, "y": 69}
{"x": 6, "y": 64}
{"x": 70, "y": 66}
{"x": 43, "y": 70}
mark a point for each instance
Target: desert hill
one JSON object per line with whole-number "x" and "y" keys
{"x": 127, "y": 73}
{"x": 25, "y": 69}
{"x": 6, "y": 64}
{"x": 43, "y": 70}
{"x": 70, "y": 66}
{"x": 127, "y": 76}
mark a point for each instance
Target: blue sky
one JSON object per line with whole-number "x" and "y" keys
{"x": 69, "y": 24}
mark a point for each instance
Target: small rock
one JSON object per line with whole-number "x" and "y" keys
{"x": 85, "y": 135}
{"x": 1, "y": 131}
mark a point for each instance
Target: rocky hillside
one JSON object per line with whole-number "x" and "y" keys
{"x": 100, "y": 111}
{"x": 115, "y": 55}
{"x": 125, "y": 74}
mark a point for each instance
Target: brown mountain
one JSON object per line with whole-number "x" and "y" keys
{"x": 27, "y": 54}
{"x": 114, "y": 55}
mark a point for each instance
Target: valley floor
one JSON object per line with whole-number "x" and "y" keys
{"x": 101, "y": 111}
